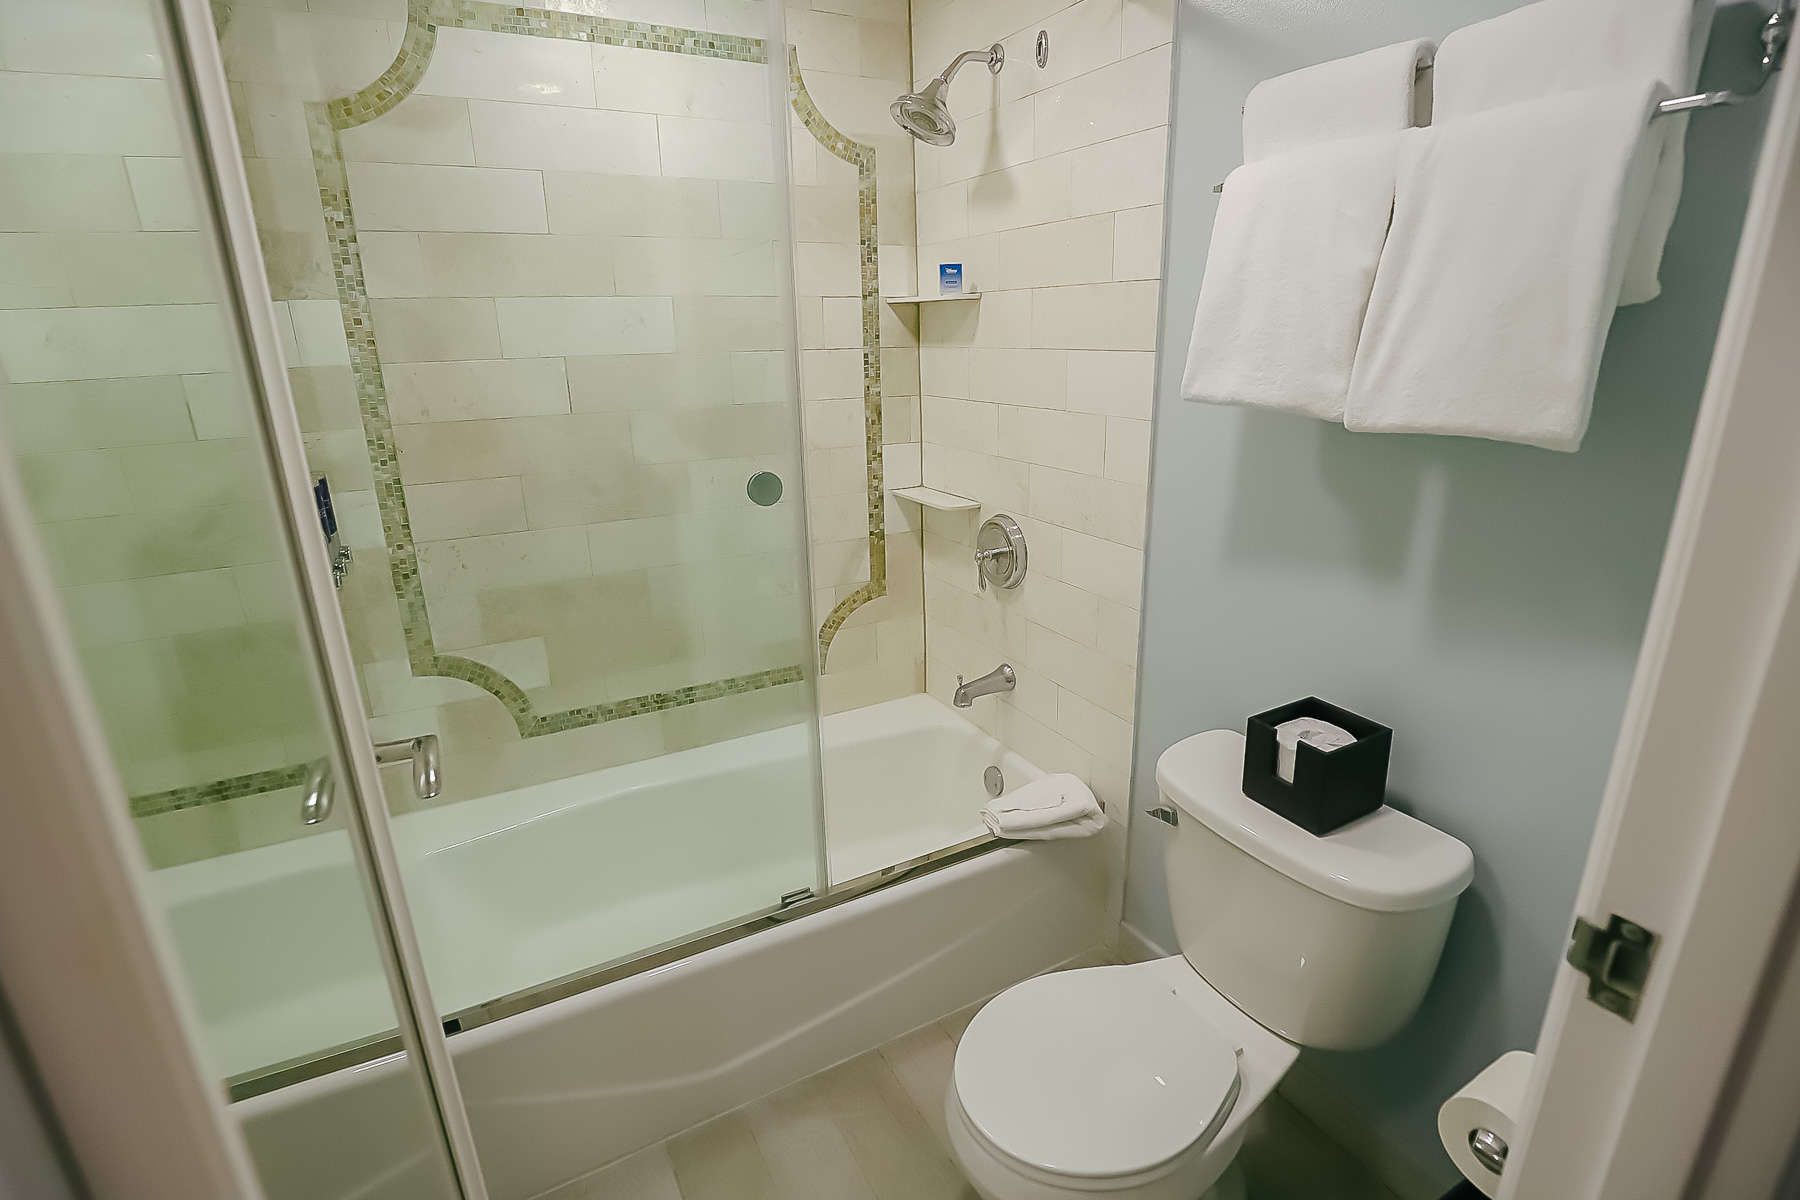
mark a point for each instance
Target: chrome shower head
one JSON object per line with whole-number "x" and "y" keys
{"x": 926, "y": 113}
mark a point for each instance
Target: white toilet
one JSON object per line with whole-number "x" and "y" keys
{"x": 1136, "y": 1082}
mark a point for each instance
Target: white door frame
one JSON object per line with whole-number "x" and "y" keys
{"x": 1698, "y": 838}
{"x": 114, "y": 1048}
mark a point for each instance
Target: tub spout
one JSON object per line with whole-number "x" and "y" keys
{"x": 1000, "y": 679}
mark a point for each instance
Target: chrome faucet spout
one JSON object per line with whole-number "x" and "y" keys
{"x": 1000, "y": 679}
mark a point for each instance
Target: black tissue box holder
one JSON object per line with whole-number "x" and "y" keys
{"x": 1331, "y": 788}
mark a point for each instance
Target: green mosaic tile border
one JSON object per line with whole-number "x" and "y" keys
{"x": 152, "y": 804}
{"x": 578, "y": 27}
{"x": 862, "y": 157}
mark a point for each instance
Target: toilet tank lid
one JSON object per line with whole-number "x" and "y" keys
{"x": 1385, "y": 862}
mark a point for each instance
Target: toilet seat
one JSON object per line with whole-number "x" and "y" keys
{"x": 1094, "y": 1077}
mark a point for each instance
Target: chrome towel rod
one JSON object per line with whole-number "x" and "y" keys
{"x": 1777, "y": 31}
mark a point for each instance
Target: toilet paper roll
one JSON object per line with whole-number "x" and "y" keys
{"x": 1313, "y": 732}
{"x": 1492, "y": 1101}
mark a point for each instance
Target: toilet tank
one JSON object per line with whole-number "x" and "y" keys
{"x": 1329, "y": 941}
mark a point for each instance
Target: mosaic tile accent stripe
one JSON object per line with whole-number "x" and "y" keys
{"x": 394, "y": 84}
{"x": 152, "y": 804}
{"x": 862, "y": 157}
{"x": 579, "y": 27}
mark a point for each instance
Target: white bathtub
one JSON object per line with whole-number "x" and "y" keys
{"x": 514, "y": 890}
{"x": 904, "y": 779}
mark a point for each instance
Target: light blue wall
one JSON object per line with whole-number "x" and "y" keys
{"x": 1485, "y": 600}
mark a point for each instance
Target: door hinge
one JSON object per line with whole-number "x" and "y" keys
{"x": 1616, "y": 961}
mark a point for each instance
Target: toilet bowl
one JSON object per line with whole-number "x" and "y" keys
{"x": 1137, "y": 1082}
{"x": 1130, "y": 1082}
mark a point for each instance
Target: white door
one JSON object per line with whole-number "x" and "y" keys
{"x": 1699, "y": 834}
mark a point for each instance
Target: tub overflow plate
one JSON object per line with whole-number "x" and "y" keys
{"x": 994, "y": 780}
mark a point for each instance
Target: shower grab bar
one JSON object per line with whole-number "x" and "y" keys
{"x": 1777, "y": 31}
{"x": 421, "y": 751}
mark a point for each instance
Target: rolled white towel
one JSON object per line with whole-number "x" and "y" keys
{"x": 1056, "y": 806}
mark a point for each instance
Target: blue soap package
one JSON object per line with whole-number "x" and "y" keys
{"x": 950, "y": 279}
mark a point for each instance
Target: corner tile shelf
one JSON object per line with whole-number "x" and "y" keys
{"x": 932, "y": 498}
{"x": 931, "y": 299}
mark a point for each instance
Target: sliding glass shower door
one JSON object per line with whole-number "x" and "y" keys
{"x": 128, "y": 413}
{"x": 537, "y": 272}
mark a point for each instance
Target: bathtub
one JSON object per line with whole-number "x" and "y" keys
{"x": 515, "y": 890}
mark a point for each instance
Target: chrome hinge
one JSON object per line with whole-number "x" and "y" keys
{"x": 1616, "y": 961}
{"x": 798, "y": 896}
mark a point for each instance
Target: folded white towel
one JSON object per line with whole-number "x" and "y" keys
{"x": 1294, "y": 252}
{"x": 1055, "y": 806}
{"x": 1299, "y": 232}
{"x": 1350, "y": 97}
{"x": 1572, "y": 45}
{"x": 1503, "y": 268}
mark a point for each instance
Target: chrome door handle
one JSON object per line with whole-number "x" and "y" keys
{"x": 315, "y": 805}
{"x": 422, "y": 751}
{"x": 427, "y": 775}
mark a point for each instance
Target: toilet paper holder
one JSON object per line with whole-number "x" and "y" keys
{"x": 1476, "y": 1123}
{"x": 1489, "y": 1149}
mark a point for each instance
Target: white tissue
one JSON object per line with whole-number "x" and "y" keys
{"x": 1313, "y": 732}
{"x": 1492, "y": 1100}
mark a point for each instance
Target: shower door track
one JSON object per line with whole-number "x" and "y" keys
{"x": 355, "y": 1054}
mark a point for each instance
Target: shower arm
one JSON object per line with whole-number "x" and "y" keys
{"x": 994, "y": 56}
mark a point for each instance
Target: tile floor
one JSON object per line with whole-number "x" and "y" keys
{"x": 872, "y": 1128}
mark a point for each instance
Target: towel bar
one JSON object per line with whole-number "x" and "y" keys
{"x": 1777, "y": 31}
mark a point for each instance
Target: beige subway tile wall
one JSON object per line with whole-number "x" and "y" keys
{"x": 1036, "y": 399}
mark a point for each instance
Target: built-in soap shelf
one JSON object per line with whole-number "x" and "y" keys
{"x": 932, "y": 498}
{"x": 898, "y": 300}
